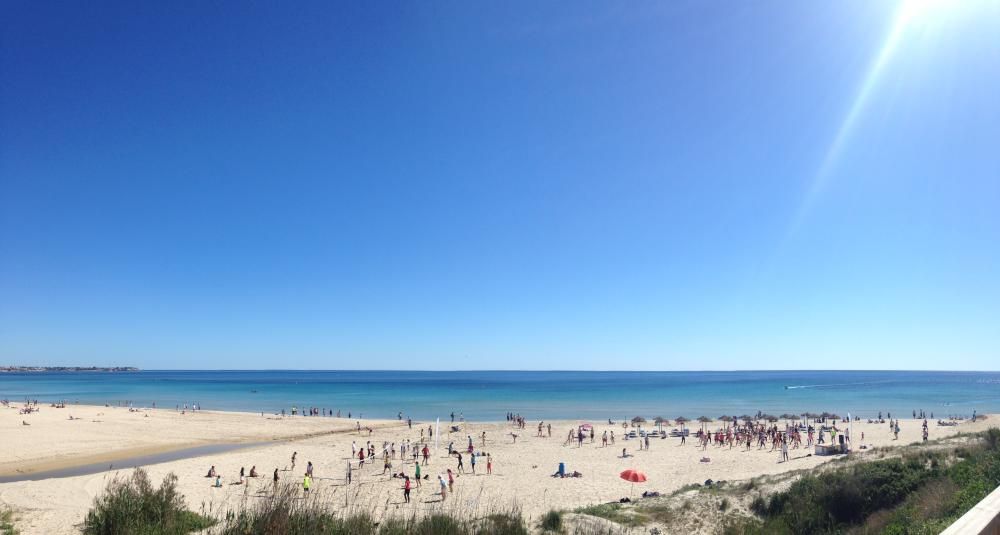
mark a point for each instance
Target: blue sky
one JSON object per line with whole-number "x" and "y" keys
{"x": 516, "y": 185}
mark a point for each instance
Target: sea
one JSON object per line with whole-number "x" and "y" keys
{"x": 536, "y": 395}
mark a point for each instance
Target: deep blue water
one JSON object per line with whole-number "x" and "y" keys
{"x": 488, "y": 395}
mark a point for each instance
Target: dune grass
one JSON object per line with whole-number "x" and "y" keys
{"x": 132, "y": 506}
{"x": 552, "y": 522}
{"x": 616, "y": 513}
{"x": 287, "y": 514}
{"x": 7, "y": 522}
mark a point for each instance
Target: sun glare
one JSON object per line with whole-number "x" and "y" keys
{"x": 916, "y": 10}
{"x": 910, "y": 13}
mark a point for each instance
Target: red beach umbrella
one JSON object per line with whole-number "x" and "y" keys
{"x": 633, "y": 476}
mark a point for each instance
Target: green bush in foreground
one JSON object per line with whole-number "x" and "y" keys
{"x": 132, "y": 506}
{"x": 552, "y": 521}
{"x": 7, "y": 522}
{"x": 920, "y": 493}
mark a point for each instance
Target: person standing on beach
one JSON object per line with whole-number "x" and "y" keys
{"x": 294, "y": 454}
{"x": 417, "y": 473}
{"x": 444, "y": 488}
{"x": 306, "y": 484}
{"x": 427, "y": 454}
{"x": 472, "y": 460}
{"x": 489, "y": 464}
{"x": 275, "y": 481}
{"x": 461, "y": 467}
{"x": 406, "y": 489}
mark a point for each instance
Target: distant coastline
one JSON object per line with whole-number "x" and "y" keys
{"x": 15, "y": 369}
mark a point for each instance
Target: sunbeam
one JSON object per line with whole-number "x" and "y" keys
{"x": 906, "y": 13}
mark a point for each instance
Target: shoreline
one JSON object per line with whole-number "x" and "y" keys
{"x": 101, "y": 447}
{"x": 73, "y": 461}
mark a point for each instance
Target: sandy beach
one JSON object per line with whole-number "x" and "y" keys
{"x": 521, "y": 476}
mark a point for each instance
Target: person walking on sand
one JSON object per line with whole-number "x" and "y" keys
{"x": 461, "y": 467}
{"x": 406, "y": 489}
{"x": 444, "y": 487}
{"x": 306, "y": 484}
{"x": 451, "y": 481}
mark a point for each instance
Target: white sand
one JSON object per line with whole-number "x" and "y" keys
{"x": 521, "y": 471}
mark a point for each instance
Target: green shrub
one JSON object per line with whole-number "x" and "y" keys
{"x": 920, "y": 493}
{"x": 7, "y": 522}
{"x": 131, "y": 506}
{"x": 552, "y": 521}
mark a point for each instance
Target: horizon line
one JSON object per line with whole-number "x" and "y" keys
{"x": 553, "y": 370}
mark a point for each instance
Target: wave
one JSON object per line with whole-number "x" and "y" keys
{"x": 831, "y": 385}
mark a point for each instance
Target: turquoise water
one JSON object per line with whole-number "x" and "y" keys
{"x": 489, "y": 395}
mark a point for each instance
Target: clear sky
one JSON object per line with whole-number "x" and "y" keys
{"x": 501, "y": 185}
